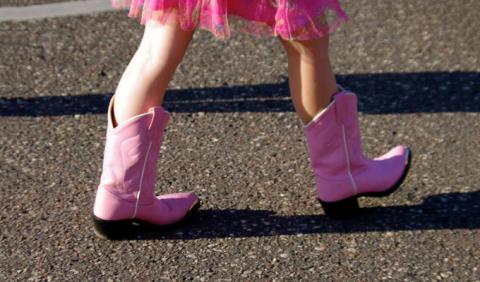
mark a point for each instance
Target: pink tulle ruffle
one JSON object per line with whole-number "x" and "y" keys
{"x": 290, "y": 19}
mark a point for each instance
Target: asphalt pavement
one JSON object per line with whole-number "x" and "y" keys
{"x": 234, "y": 139}
{"x": 24, "y": 3}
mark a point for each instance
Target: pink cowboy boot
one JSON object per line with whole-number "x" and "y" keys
{"x": 126, "y": 191}
{"x": 343, "y": 173}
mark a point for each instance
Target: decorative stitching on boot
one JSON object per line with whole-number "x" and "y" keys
{"x": 141, "y": 181}
{"x": 354, "y": 185}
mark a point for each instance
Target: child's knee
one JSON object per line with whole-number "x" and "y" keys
{"x": 292, "y": 48}
{"x": 300, "y": 48}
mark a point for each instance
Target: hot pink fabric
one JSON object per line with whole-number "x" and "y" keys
{"x": 290, "y": 19}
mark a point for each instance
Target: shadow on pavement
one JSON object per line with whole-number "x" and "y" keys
{"x": 443, "y": 211}
{"x": 428, "y": 92}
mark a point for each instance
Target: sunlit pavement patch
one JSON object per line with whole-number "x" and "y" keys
{"x": 54, "y": 10}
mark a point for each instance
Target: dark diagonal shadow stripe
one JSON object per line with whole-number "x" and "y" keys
{"x": 393, "y": 93}
{"x": 443, "y": 211}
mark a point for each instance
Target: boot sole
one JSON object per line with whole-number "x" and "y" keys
{"x": 119, "y": 229}
{"x": 349, "y": 206}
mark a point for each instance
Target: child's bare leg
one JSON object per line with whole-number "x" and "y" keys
{"x": 311, "y": 78}
{"x": 146, "y": 78}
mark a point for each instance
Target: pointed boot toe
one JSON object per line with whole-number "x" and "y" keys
{"x": 394, "y": 166}
{"x": 397, "y": 151}
{"x": 171, "y": 208}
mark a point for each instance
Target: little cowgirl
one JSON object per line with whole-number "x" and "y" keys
{"x": 136, "y": 119}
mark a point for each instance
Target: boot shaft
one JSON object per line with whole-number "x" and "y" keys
{"x": 333, "y": 139}
{"x": 131, "y": 153}
{"x": 347, "y": 116}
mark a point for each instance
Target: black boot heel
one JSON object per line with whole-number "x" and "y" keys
{"x": 111, "y": 229}
{"x": 341, "y": 209}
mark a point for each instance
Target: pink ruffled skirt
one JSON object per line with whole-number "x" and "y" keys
{"x": 290, "y": 19}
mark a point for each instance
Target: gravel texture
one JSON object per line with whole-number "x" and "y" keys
{"x": 235, "y": 140}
